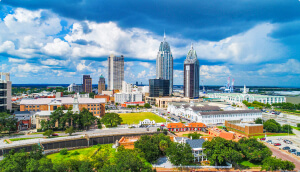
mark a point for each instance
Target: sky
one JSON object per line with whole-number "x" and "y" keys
{"x": 55, "y": 42}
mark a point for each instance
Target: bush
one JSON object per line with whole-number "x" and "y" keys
{"x": 63, "y": 152}
{"x": 158, "y": 129}
{"x": 298, "y": 125}
{"x": 165, "y": 131}
{"x": 75, "y": 153}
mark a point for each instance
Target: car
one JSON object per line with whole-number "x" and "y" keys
{"x": 292, "y": 150}
{"x": 269, "y": 141}
{"x": 286, "y": 148}
{"x": 277, "y": 144}
{"x": 298, "y": 153}
{"x": 54, "y": 134}
{"x": 262, "y": 139}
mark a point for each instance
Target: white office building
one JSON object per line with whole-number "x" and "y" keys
{"x": 211, "y": 114}
{"x": 126, "y": 87}
{"x": 128, "y": 97}
{"x": 115, "y": 72}
{"x": 75, "y": 88}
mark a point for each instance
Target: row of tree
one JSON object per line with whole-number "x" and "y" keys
{"x": 256, "y": 104}
{"x": 220, "y": 151}
{"x": 106, "y": 160}
{"x": 159, "y": 145}
{"x": 82, "y": 120}
{"x": 287, "y": 106}
{"x": 274, "y": 127}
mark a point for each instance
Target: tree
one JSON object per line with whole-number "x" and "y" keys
{"x": 92, "y": 95}
{"x": 14, "y": 161}
{"x": 45, "y": 164}
{"x": 87, "y": 118}
{"x": 7, "y": 122}
{"x": 220, "y": 151}
{"x": 180, "y": 153}
{"x": 272, "y": 126}
{"x": 147, "y": 105}
{"x": 258, "y": 121}
{"x": 99, "y": 124}
{"x": 194, "y": 135}
{"x": 274, "y": 164}
{"x": 163, "y": 145}
{"x": 57, "y": 116}
{"x": 287, "y": 129}
{"x": 48, "y": 133}
{"x": 111, "y": 119}
{"x": 70, "y": 130}
{"x": 298, "y": 125}
{"x": 147, "y": 145}
{"x": 253, "y": 150}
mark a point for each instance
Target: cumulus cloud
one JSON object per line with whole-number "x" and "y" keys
{"x": 142, "y": 74}
{"x": 145, "y": 64}
{"x": 214, "y": 71}
{"x": 14, "y": 60}
{"x": 57, "y": 48}
{"x": 253, "y": 46}
{"x": 292, "y": 66}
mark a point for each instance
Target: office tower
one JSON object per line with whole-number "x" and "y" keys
{"x": 126, "y": 87}
{"x": 5, "y": 92}
{"x": 159, "y": 87}
{"x": 101, "y": 84}
{"x": 115, "y": 72}
{"x": 164, "y": 63}
{"x": 191, "y": 75}
{"x": 87, "y": 84}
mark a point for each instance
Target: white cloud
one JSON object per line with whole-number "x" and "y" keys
{"x": 214, "y": 71}
{"x": 292, "y": 66}
{"x": 14, "y": 60}
{"x": 142, "y": 74}
{"x": 54, "y": 62}
{"x": 82, "y": 67}
{"x": 145, "y": 64}
{"x": 57, "y": 48}
{"x": 253, "y": 46}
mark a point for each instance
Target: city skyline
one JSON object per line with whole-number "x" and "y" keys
{"x": 254, "y": 42}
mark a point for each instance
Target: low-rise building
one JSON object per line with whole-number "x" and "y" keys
{"x": 96, "y": 106}
{"x": 128, "y": 97}
{"x": 75, "y": 88}
{"x": 196, "y": 146}
{"x": 207, "y": 114}
{"x": 244, "y": 128}
{"x": 190, "y": 127}
{"x": 163, "y": 102}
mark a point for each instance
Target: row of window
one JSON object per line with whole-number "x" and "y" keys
{"x": 93, "y": 108}
{"x": 33, "y": 106}
{"x": 93, "y": 105}
{"x": 235, "y": 115}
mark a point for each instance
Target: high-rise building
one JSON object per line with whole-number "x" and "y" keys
{"x": 126, "y": 87}
{"x": 101, "y": 84}
{"x": 115, "y": 72}
{"x": 191, "y": 75}
{"x": 159, "y": 87}
{"x": 5, "y": 92}
{"x": 87, "y": 84}
{"x": 164, "y": 63}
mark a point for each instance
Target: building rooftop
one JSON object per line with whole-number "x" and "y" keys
{"x": 229, "y": 112}
{"x": 63, "y": 100}
{"x": 197, "y": 143}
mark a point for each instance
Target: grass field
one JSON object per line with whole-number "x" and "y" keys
{"x": 84, "y": 154}
{"x": 248, "y": 164}
{"x": 135, "y": 118}
{"x": 296, "y": 128}
{"x": 278, "y": 134}
{"x": 27, "y": 138}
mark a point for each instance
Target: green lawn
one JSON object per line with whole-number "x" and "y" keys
{"x": 249, "y": 164}
{"x": 84, "y": 154}
{"x": 277, "y": 134}
{"x": 296, "y": 128}
{"x": 27, "y": 138}
{"x": 135, "y": 118}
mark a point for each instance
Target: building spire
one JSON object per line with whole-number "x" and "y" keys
{"x": 164, "y": 35}
{"x": 192, "y": 46}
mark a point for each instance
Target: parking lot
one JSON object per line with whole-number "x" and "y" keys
{"x": 280, "y": 140}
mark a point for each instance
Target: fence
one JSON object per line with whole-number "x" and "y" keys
{"x": 197, "y": 167}
{"x": 75, "y": 141}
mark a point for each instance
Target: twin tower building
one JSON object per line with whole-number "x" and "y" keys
{"x": 164, "y": 69}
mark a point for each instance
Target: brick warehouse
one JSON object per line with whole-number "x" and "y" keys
{"x": 245, "y": 128}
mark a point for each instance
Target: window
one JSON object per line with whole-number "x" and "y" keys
{"x": 88, "y": 108}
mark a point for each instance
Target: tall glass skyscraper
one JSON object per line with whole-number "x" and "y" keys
{"x": 191, "y": 75}
{"x": 164, "y": 63}
{"x": 115, "y": 72}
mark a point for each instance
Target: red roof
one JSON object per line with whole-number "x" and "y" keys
{"x": 196, "y": 125}
{"x": 227, "y": 135}
{"x": 176, "y": 125}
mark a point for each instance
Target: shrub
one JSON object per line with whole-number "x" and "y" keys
{"x": 75, "y": 153}
{"x": 63, "y": 152}
{"x": 298, "y": 125}
{"x": 158, "y": 129}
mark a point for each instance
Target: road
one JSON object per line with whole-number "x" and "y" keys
{"x": 285, "y": 156}
{"x": 177, "y": 118}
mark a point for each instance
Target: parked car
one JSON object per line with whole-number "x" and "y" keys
{"x": 269, "y": 141}
{"x": 298, "y": 153}
{"x": 286, "y": 148}
{"x": 54, "y": 134}
{"x": 277, "y": 144}
{"x": 263, "y": 139}
{"x": 292, "y": 150}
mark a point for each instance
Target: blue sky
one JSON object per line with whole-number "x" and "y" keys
{"x": 255, "y": 42}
